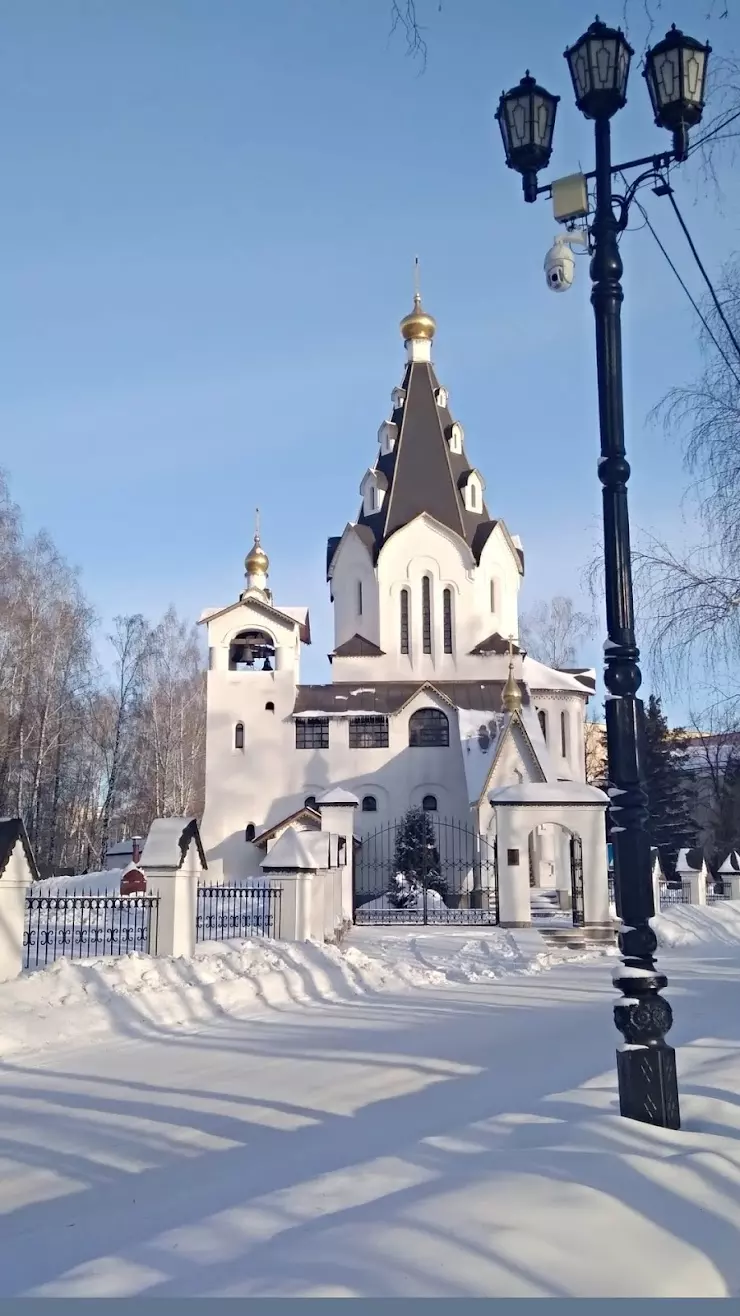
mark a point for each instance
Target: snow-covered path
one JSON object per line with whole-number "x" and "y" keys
{"x": 457, "y": 1140}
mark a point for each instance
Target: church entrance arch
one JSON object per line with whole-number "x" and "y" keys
{"x": 555, "y": 856}
{"x": 427, "y": 870}
{"x": 552, "y": 854}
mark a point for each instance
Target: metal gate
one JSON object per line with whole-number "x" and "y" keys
{"x": 576, "y": 880}
{"x": 425, "y": 869}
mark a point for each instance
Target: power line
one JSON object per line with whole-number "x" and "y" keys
{"x": 698, "y": 311}
{"x": 705, "y": 276}
{"x": 718, "y": 128}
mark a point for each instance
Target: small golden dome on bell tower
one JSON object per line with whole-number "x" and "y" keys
{"x": 256, "y": 563}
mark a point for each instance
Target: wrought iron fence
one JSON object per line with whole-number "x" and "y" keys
{"x": 612, "y": 890}
{"x": 675, "y": 893}
{"x": 233, "y": 913}
{"x": 718, "y": 890}
{"x": 426, "y": 870}
{"x": 78, "y": 926}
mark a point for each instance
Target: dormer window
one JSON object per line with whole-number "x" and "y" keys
{"x": 471, "y": 486}
{"x": 373, "y": 490}
{"x": 387, "y": 435}
{"x": 456, "y": 439}
{"x": 442, "y": 397}
{"x": 398, "y": 397}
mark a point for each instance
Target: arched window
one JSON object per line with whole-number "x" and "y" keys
{"x": 428, "y": 727}
{"x": 239, "y": 736}
{"x": 309, "y": 802}
{"x": 369, "y": 804}
{"x": 249, "y": 833}
{"x": 542, "y": 719}
{"x": 426, "y": 615}
{"x": 473, "y": 496}
{"x": 564, "y": 734}
{"x": 447, "y": 620}
{"x": 252, "y": 651}
{"x": 429, "y": 804}
{"x": 269, "y": 706}
{"x": 404, "y": 621}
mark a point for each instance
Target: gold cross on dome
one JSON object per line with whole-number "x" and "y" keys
{"x": 511, "y": 647}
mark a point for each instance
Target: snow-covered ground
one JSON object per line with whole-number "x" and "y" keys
{"x": 416, "y": 1113}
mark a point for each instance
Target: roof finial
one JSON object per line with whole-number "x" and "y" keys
{"x": 418, "y": 325}
{"x": 511, "y": 696}
{"x": 256, "y": 563}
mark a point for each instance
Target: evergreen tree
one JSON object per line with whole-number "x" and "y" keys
{"x": 668, "y": 780}
{"x": 417, "y": 863}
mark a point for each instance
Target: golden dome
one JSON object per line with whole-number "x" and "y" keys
{"x": 257, "y": 562}
{"x": 511, "y": 697}
{"x": 418, "y": 323}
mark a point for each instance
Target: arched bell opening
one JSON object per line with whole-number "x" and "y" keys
{"x": 252, "y": 651}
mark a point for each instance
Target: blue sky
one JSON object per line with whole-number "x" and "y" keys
{"x": 209, "y": 214}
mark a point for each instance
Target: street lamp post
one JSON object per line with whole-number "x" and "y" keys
{"x": 675, "y": 70}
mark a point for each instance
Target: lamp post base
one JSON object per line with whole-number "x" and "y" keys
{"x": 648, "y": 1085}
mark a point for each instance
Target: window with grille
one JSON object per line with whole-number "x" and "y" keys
{"x": 447, "y": 620}
{"x": 429, "y": 804}
{"x": 426, "y": 615}
{"x": 369, "y": 804}
{"x": 429, "y": 727}
{"x": 368, "y": 733}
{"x": 312, "y": 733}
{"x": 404, "y": 621}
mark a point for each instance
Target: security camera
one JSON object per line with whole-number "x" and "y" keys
{"x": 560, "y": 265}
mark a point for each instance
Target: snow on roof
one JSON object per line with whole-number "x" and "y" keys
{"x": 539, "y": 677}
{"x": 731, "y": 864}
{"x": 168, "y": 842}
{"x": 531, "y": 724}
{"x": 336, "y": 795}
{"x": 297, "y": 851}
{"x": 480, "y": 735}
{"x": 548, "y": 792}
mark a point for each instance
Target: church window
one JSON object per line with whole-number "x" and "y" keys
{"x": 404, "y": 621}
{"x": 456, "y": 438}
{"x": 429, "y": 728}
{"x": 564, "y": 734}
{"x": 239, "y": 736}
{"x": 359, "y": 598}
{"x": 473, "y": 496}
{"x": 309, "y": 802}
{"x": 368, "y": 733}
{"x": 429, "y": 804}
{"x": 426, "y": 615}
{"x": 369, "y": 804}
{"x": 447, "y": 620}
{"x": 249, "y": 833}
{"x": 312, "y": 733}
{"x": 269, "y": 706}
{"x": 493, "y": 596}
{"x": 442, "y": 397}
{"x": 542, "y": 719}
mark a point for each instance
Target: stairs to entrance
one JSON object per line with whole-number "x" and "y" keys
{"x": 545, "y": 907}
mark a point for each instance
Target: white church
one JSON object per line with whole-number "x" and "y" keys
{"x": 432, "y": 704}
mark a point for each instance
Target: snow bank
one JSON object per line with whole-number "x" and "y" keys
{"x": 98, "y": 883}
{"x": 139, "y": 995}
{"x": 697, "y": 925}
